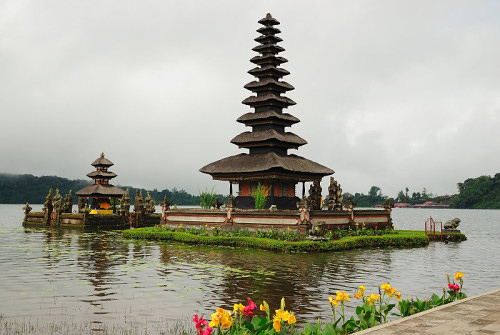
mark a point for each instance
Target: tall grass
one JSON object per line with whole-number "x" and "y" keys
{"x": 207, "y": 198}
{"x": 260, "y": 196}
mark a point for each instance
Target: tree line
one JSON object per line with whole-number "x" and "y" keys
{"x": 480, "y": 192}
{"x": 22, "y": 188}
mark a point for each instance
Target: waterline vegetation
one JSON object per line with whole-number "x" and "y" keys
{"x": 283, "y": 241}
{"x": 371, "y": 310}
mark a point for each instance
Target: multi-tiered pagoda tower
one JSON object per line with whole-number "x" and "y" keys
{"x": 268, "y": 161}
{"x": 101, "y": 191}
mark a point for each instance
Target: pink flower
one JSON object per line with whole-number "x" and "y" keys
{"x": 202, "y": 325}
{"x": 248, "y": 310}
{"x": 454, "y": 287}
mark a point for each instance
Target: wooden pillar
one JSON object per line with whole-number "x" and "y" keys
{"x": 230, "y": 188}
{"x": 272, "y": 193}
{"x": 303, "y": 189}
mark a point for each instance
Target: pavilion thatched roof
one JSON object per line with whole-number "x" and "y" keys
{"x": 267, "y": 162}
{"x": 99, "y": 190}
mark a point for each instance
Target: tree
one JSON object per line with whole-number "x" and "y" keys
{"x": 374, "y": 191}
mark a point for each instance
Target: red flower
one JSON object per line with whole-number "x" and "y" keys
{"x": 248, "y": 310}
{"x": 454, "y": 287}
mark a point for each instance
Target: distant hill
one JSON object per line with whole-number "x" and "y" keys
{"x": 480, "y": 192}
{"x": 22, "y": 188}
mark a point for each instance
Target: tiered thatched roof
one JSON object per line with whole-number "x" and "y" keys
{"x": 268, "y": 142}
{"x": 101, "y": 177}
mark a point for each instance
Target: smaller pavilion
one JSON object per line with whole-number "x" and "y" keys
{"x": 101, "y": 192}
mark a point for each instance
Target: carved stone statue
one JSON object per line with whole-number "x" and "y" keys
{"x": 27, "y": 208}
{"x": 47, "y": 205}
{"x": 125, "y": 203}
{"x": 349, "y": 205}
{"x": 451, "y": 225}
{"x": 387, "y": 205}
{"x": 67, "y": 206}
{"x": 139, "y": 203}
{"x": 334, "y": 195}
{"x": 149, "y": 204}
{"x": 57, "y": 200}
{"x": 315, "y": 196}
{"x": 82, "y": 203}
{"x": 216, "y": 203}
{"x": 165, "y": 203}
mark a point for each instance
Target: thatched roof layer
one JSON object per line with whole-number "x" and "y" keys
{"x": 102, "y": 161}
{"x": 102, "y": 174}
{"x": 248, "y": 163}
{"x": 270, "y": 114}
{"x": 266, "y": 135}
{"x": 100, "y": 190}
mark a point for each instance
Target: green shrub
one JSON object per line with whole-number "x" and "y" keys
{"x": 225, "y": 238}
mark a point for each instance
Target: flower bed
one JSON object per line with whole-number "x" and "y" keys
{"x": 372, "y": 310}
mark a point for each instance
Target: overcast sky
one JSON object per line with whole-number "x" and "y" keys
{"x": 389, "y": 93}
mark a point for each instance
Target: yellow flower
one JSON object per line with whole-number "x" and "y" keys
{"x": 264, "y": 306}
{"x": 362, "y": 288}
{"x": 277, "y": 325}
{"x": 391, "y": 291}
{"x": 226, "y": 320}
{"x": 222, "y": 318}
{"x": 333, "y": 301}
{"x": 372, "y": 298}
{"x": 398, "y": 295}
{"x": 238, "y": 308}
{"x": 342, "y": 296}
{"x": 291, "y": 319}
{"x": 386, "y": 287}
{"x": 459, "y": 275}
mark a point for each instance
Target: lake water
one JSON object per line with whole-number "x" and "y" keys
{"x": 100, "y": 278}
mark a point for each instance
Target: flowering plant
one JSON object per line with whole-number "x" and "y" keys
{"x": 373, "y": 311}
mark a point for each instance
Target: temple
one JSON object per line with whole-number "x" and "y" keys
{"x": 101, "y": 192}
{"x": 268, "y": 162}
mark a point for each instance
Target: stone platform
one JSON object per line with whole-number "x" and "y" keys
{"x": 475, "y": 315}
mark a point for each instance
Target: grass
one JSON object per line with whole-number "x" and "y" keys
{"x": 57, "y": 326}
{"x": 401, "y": 238}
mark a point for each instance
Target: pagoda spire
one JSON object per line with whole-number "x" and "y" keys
{"x": 268, "y": 121}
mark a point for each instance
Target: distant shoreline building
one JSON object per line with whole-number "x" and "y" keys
{"x": 268, "y": 162}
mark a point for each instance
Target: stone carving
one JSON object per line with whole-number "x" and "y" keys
{"x": 334, "y": 195}
{"x": 82, "y": 203}
{"x": 388, "y": 205}
{"x": 166, "y": 203}
{"x": 315, "y": 196}
{"x": 67, "y": 205}
{"x": 452, "y": 224}
{"x": 139, "y": 202}
{"x": 216, "y": 203}
{"x": 48, "y": 207}
{"x": 57, "y": 201}
{"x": 125, "y": 203}
{"x": 149, "y": 204}
{"x": 349, "y": 205}
{"x": 27, "y": 209}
